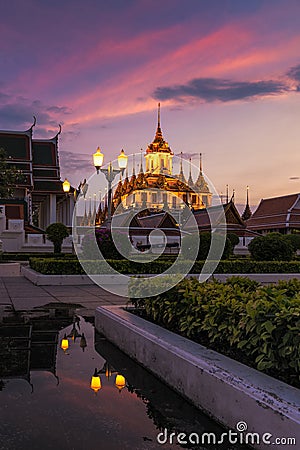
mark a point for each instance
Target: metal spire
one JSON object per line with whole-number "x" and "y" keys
{"x": 141, "y": 166}
{"x": 190, "y": 180}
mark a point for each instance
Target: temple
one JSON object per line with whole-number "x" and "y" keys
{"x": 38, "y": 200}
{"x": 156, "y": 187}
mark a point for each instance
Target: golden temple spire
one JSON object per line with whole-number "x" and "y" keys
{"x": 158, "y": 134}
{"x": 200, "y": 163}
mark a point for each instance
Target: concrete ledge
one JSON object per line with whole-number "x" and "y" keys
{"x": 40, "y": 279}
{"x": 10, "y": 269}
{"x": 228, "y": 391}
{"x": 113, "y": 280}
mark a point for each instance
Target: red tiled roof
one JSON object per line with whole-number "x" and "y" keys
{"x": 277, "y": 212}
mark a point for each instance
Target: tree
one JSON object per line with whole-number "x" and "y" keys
{"x": 10, "y": 176}
{"x": 56, "y": 233}
{"x": 272, "y": 247}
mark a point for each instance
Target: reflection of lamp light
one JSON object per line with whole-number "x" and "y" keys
{"x": 64, "y": 343}
{"x": 95, "y": 382}
{"x": 107, "y": 370}
{"x": 120, "y": 382}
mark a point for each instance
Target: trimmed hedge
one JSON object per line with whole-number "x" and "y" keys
{"x": 257, "y": 325}
{"x": 71, "y": 266}
{"x": 27, "y": 256}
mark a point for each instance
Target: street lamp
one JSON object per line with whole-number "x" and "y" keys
{"x": 110, "y": 173}
{"x": 66, "y": 186}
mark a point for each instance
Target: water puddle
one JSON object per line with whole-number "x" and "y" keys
{"x": 46, "y": 399}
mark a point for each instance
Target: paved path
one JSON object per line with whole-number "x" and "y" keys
{"x": 23, "y": 295}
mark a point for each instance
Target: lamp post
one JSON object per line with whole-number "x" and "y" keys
{"x": 110, "y": 174}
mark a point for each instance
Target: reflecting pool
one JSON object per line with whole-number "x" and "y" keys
{"x": 46, "y": 399}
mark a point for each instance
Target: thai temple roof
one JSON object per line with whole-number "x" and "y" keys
{"x": 159, "y": 144}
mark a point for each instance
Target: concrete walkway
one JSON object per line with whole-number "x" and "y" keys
{"x": 22, "y": 295}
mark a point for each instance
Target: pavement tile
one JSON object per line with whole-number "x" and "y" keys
{"x": 71, "y": 299}
{"x": 32, "y": 302}
{"x": 28, "y": 293}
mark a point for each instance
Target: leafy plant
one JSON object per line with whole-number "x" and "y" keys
{"x": 272, "y": 247}
{"x": 56, "y": 233}
{"x": 258, "y": 325}
{"x": 10, "y": 176}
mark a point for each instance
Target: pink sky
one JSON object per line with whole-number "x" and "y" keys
{"x": 227, "y": 74}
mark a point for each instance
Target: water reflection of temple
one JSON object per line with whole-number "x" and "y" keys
{"x": 29, "y": 340}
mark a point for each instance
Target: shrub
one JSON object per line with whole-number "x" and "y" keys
{"x": 204, "y": 245}
{"x": 56, "y": 233}
{"x": 272, "y": 247}
{"x": 234, "y": 239}
{"x": 107, "y": 246}
{"x": 256, "y": 324}
{"x": 294, "y": 240}
{"x": 65, "y": 265}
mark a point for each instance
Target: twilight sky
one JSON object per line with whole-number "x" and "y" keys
{"x": 227, "y": 74}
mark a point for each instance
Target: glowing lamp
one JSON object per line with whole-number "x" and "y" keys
{"x": 65, "y": 343}
{"x": 98, "y": 159}
{"x": 95, "y": 382}
{"x": 122, "y": 160}
{"x": 120, "y": 382}
{"x": 66, "y": 186}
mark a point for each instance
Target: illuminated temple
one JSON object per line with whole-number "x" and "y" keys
{"x": 155, "y": 187}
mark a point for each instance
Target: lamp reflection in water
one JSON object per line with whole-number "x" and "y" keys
{"x": 74, "y": 334}
{"x": 120, "y": 381}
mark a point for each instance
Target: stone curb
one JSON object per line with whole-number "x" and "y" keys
{"x": 78, "y": 280}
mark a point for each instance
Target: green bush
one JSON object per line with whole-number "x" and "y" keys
{"x": 272, "y": 247}
{"x": 294, "y": 240}
{"x": 70, "y": 265}
{"x": 254, "y": 324}
{"x": 204, "y": 245}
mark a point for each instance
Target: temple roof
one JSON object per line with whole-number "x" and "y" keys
{"x": 159, "y": 144}
{"x": 276, "y": 212}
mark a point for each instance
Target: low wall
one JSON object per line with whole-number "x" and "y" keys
{"x": 122, "y": 281}
{"x": 10, "y": 269}
{"x": 228, "y": 391}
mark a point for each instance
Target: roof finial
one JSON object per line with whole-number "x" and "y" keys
{"x": 247, "y": 211}
{"x": 158, "y": 116}
{"x": 141, "y": 166}
{"x": 158, "y": 134}
{"x": 227, "y": 193}
{"x": 33, "y": 125}
{"x": 200, "y": 163}
{"x": 190, "y": 180}
{"x": 133, "y": 165}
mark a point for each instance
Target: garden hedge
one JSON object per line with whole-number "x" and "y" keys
{"x": 71, "y": 266}
{"x": 257, "y": 325}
